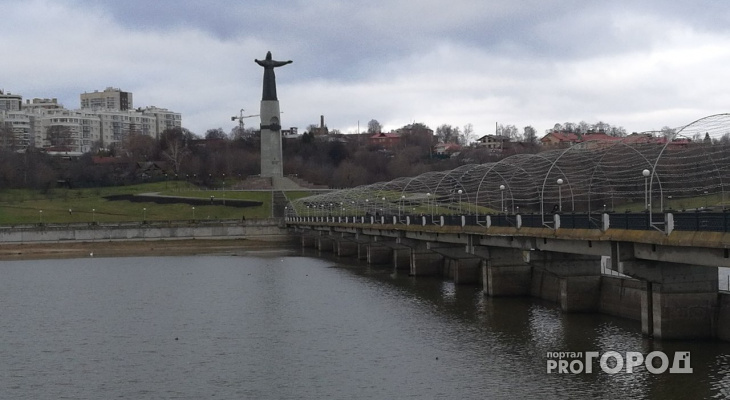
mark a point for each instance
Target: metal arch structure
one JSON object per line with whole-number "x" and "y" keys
{"x": 594, "y": 173}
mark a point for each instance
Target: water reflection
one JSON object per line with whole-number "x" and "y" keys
{"x": 517, "y": 333}
{"x": 285, "y": 327}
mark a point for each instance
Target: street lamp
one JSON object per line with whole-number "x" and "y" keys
{"x": 646, "y": 174}
{"x": 144, "y": 214}
{"x": 428, "y": 204}
{"x": 93, "y": 215}
{"x": 193, "y": 213}
{"x": 460, "y": 192}
{"x": 501, "y": 190}
{"x": 400, "y": 207}
{"x": 40, "y": 216}
{"x": 560, "y": 195}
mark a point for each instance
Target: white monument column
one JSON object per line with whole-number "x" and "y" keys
{"x": 271, "y": 157}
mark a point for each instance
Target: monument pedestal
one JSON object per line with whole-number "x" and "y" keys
{"x": 271, "y": 155}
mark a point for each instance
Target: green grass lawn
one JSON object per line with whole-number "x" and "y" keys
{"x": 22, "y": 206}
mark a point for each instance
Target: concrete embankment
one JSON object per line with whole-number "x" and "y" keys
{"x": 159, "y": 238}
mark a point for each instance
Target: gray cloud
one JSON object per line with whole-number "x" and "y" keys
{"x": 641, "y": 65}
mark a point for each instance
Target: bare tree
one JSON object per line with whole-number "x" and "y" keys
{"x": 7, "y": 137}
{"x": 467, "y": 134}
{"x": 374, "y": 126}
{"x": 509, "y": 131}
{"x": 174, "y": 146}
{"x": 60, "y": 136}
{"x": 218, "y": 133}
{"x": 530, "y": 134}
{"x": 447, "y": 133}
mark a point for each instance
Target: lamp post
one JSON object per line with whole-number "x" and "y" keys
{"x": 400, "y": 206}
{"x": 193, "y": 213}
{"x": 560, "y": 195}
{"x": 460, "y": 192}
{"x": 144, "y": 214}
{"x": 40, "y": 216}
{"x": 428, "y": 204}
{"x": 646, "y": 174}
{"x": 501, "y": 190}
{"x": 93, "y": 215}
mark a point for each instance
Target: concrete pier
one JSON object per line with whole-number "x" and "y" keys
{"x": 379, "y": 254}
{"x": 345, "y": 248}
{"x": 325, "y": 243}
{"x": 678, "y": 300}
{"x": 402, "y": 258}
{"x": 505, "y": 272}
{"x": 426, "y": 263}
{"x": 573, "y": 281}
{"x": 466, "y": 271}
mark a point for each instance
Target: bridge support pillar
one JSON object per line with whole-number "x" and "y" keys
{"x": 345, "y": 248}
{"x": 465, "y": 271}
{"x": 506, "y": 272}
{"x": 402, "y": 259}
{"x": 426, "y": 263}
{"x": 324, "y": 243}
{"x": 379, "y": 254}
{"x": 309, "y": 241}
{"x": 679, "y": 301}
{"x": 573, "y": 281}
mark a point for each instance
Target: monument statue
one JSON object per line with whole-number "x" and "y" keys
{"x": 269, "y": 77}
{"x": 271, "y": 155}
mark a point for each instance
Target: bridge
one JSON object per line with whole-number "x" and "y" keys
{"x": 651, "y": 211}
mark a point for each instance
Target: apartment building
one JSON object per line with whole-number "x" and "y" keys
{"x": 108, "y": 99}
{"x": 44, "y": 123}
{"x": 15, "y": 131}
{"x": 164, "y": 119}
{"x": 9, "y": 101}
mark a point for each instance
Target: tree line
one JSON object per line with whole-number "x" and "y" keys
{"x": 334, "y": 160}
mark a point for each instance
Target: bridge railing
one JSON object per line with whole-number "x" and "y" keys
{"x": 702, "y": 221}
{"x": 681, "y": 221}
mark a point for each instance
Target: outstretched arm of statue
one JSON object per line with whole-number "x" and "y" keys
{"x": 272, "y": 63}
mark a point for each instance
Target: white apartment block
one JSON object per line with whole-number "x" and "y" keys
{"x": 16, "y": 132}
{"x": 110, "y": 99}
{"x": 44, "y": 123}
{"x": 164, "y": 119}
{"x": 10, "y": 102}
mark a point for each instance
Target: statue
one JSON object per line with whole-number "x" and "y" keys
{"x": 269, "y": 77}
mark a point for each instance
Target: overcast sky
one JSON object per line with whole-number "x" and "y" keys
{"x": 641, "y": 65}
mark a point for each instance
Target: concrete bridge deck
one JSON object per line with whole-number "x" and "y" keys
{"x": 673, "y": 288}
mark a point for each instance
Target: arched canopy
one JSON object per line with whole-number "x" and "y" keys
{"x": 682, "y": 165}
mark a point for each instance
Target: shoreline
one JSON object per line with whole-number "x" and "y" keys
{"x": 132, "y": 248}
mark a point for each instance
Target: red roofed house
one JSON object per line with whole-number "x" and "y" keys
{"x": 384, "y": 140}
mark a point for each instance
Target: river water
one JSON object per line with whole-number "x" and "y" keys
{"x": 288, "y": 325}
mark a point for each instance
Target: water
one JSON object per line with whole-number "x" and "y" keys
{"x": 285, "y": 326}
